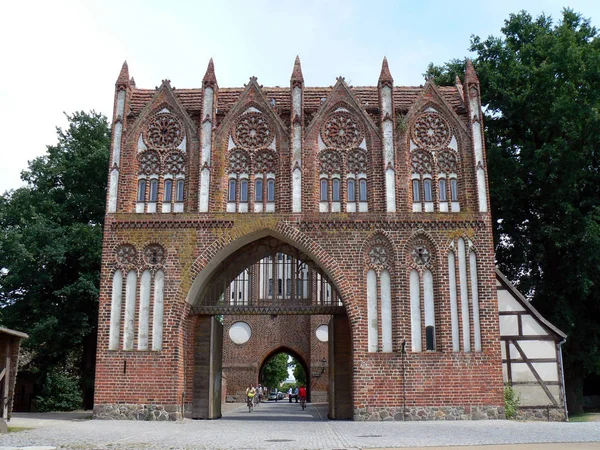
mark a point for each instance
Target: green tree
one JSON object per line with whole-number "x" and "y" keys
{"x": 50, "y": 248}
{"x": 275, "y": 370}
{"x": 540, "y": 89}
{"x": 298, "y": 371}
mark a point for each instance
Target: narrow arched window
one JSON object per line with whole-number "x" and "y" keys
{"x": 454, "y": 189}
{"x": 416, "y": 191}
{"x": 351, "y": 190}
{"x": 168, "y": 193}
{"x": 153, "y": 190}
{"x": 244, "y": 190}
{"x": 324, "y": 188}
{"x": 271, "y": 190}
{"x": 335, "y": 193}
{"x": 443, "y": 194}
{"x": 141, "y": 191}
{"x": 232, "y": 186}
{"x": 427, "y": 188}
{"x": 362, "y": 185}
{"x": 180, "y": 186}
{"x": 258, "y": 190}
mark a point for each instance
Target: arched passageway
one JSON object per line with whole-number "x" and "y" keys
{"x": 264, "y": 297}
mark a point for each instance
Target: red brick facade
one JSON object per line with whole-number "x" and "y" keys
{"x": 256, "y": 134}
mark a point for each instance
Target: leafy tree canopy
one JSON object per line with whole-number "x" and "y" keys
{"x": 540, "y": 90}
{"x": 275, "y": 370}
{"x": 50, "y": 248}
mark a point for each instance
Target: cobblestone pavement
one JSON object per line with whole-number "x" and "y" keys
{"x": 285, "y": 426}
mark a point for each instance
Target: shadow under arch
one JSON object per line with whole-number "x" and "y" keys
{"x": 220, "y": 264}
{"x": 288, "y": 350}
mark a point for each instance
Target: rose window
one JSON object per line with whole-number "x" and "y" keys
{"x": 341, "y": 131}
{"x": 126, "y": 254}
{"x": 164, "y": 130}
{"x": 149, "y": 163}
{"x": 154, "y": 254}
{"x": 420, "y": 255}
{"x": 175, "y": 163}
{"x": 265, "y": 161}
{"x": 431, "y": 131}
{"x": 421, "y": 162}
{"x": 331, "y": 162}
{"x": 378, "y": 255}
{"x": 357, "y": 161}
{"x": 447, "y": 162}
{"x": 239, "y": 161}
{"x": 252, "y": 131}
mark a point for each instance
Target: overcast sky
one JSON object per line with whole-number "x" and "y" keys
{"x": 65, "y": 55}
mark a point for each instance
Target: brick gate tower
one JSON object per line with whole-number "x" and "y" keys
{"x": 346, "y": 225}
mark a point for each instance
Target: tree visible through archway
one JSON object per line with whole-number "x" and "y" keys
{"x": 275, "y": 370}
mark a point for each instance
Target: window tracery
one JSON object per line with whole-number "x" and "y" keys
{"x": 252, "y": 131}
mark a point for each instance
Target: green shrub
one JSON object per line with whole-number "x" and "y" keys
{"x": 60, "y": 392}
{"x": 511, "y": 401}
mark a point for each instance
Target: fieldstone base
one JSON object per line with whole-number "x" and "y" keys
{"x": 430, "y": 413}
{"x": 548, "y": 414}
{"x": 122, "y": 411}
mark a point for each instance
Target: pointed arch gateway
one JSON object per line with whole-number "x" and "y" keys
{"x": 269, "y": 279}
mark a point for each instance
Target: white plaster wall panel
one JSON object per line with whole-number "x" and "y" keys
{"x": 531, "y": 326}
{"x": 416, "y": 207}
{"x": 390, "y": 190}
{"x": 251, "y": 109}
{"x": 208, "y": 102}
{"x": 139, "y": 207}
{"x": 453, "y": 144}
{"x": 120, "y": 103}
{"x": 178, "y": 207}
{"x": 230, "y": 207}
{"x": 183, "y": 145}
{"x": 372, "y": 310}
{"x": 481, "y": 190}
{"x": 415, "y": 311}
{"x": 130, "y": 294}
{"x": 144, "y": 313}
{"x": 336, "y": 206}
{"x": 115, "y": 311}
{"x": 141, "y": 146}
{"x": 204, "y": 189}
{"x": 464, "y": 295}
{"x": 363, "y": 207}
{"x": 388, "y": 142}
{"x": 503, "y": 350}
{"x": 113, "y": 190}
{"x": 429, "y": 206}
{"x": 534, "y": 395}
{"x": 297, "y": 100}
{"x": 428, "y": 299}
{"x": 509, "y": 326}
{"x": 453, "y": 302}
{"x": 258, "y": 207}
{"x": 166, "y": 207}
{"x": 243, "y": 207}
{"x": 320, "y": 143}
{"x": 547, "y": 371}
{"x": 351, "y": 207}
{"x": 444, "y": 207}
{"x": 504, "y": 372}
{"x": 270, "y": 207}
{"x": 273, "y": 144}
{"x": 506, "y": 302}
{"x": 521, "y": 372}
{"x": 538, "y": 349}
{"x": 117, "y": 144}
{"x": 297, "y": 144}
{"x": 297, "y": 190}
{"x": 206, "y": 142}
{"x": 475, "y": 301}
{"x": 158, "y": 312}
{"x": 413, "y": 145}
{"x": 455, "y": 207}
{"x": 151, "y": 207}
{"x": 230, "y": 143}
{"x": 363, "y": 144}
{"x": 386, "y": 100}
{"x": 386, "y": 312}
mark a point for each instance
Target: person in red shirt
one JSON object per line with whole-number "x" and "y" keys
{"x": 302, "y": 395}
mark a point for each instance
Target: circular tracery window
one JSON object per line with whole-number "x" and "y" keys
{"x": 341, "y": 130}
{"x": 322, "y": 333}
{"x": 431, "y": 131}
{"x": 252, "y": 131}
{"x": 164, "y": 130}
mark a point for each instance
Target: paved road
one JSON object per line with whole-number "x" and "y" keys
{"x": 285, "y": 426}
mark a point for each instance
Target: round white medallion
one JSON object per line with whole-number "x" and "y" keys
{"x": 240, "y": 332}
{"x": 322, "y": 333}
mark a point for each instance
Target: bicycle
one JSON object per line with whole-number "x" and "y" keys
{"x": 303, "y": 403}
{"x": 250, "y": 403}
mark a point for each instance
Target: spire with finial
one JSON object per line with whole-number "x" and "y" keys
{"x": 385, "y": 78}
{"x": 297, "y": 77}
{"x": 470, "y": 75}
{"x": 123, "y": 79}
{"x": 210, "y": 80}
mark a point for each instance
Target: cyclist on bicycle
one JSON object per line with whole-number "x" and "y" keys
{"x": 250, "y": 394}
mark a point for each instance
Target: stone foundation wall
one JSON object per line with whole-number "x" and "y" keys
{"x": 123, "y": 411}
{"x": 430, "y": 413}
{"x": 547, "y": 414}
